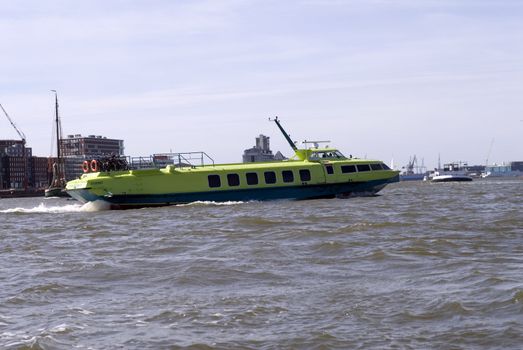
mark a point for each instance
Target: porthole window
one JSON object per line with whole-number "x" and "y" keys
{"x": 287, "y": 175}
{"x": 233, "y": 179}
{"x": 252, "y": 178}
{"x": 270, "y": 177}
{"x": 305, "y": 175}
{"x": 214, "y": 181}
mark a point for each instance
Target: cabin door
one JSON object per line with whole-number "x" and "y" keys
{"x": 330, "y": 176}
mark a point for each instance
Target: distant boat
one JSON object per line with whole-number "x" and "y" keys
{"x": 57, "y": 186}
{"x": 452, "y": 172}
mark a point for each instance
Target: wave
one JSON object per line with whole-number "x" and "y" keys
{"x": 42, "y": 208}
{"x": 210, "y": 203}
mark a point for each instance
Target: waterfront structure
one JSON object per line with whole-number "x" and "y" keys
{"x": 412, "y": 171}
{"x": 517, "y": 165}
{"x": 92, "y": 145}
{"x": 19, "y": 173}
{"x": 15, "y": 164}
{"x": 261, "y": 152}
{"x": 75, "y": 149}
{"x": 512, "y": 169}
{"x": 14, "y": 148}
{"x": 36, "y": 172}
{"x": 40, "y": 173}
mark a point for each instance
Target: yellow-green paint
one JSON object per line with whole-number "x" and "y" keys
{"x": 173, "y": 179}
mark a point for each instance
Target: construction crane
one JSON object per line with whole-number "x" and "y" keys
{"x": 22, "y": 136}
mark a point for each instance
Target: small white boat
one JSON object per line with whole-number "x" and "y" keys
{"x": 452, "y": 172}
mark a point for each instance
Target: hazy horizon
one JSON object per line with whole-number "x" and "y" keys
{"x": 381, "y": 79}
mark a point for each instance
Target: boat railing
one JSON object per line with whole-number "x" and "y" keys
{"x": 179, "y": 160}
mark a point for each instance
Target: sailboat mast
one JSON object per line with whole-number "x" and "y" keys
{"x": 58, "y": 128}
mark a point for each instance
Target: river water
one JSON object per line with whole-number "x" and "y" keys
{"x": 422, "y": 266}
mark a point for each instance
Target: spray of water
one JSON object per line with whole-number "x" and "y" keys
{"x": 211, "y": 203}
{"x": 42, "y": 208}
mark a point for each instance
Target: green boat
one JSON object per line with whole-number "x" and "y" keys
{"x": 313, "y": 172}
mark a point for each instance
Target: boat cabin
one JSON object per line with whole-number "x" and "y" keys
{"x": 319, "y": 154}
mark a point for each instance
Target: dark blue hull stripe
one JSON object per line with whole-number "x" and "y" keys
{"x": 260, "y": 194}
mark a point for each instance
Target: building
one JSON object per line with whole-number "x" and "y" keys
{"x": 14, "y": 164}
{"x": 92, "y": 146}
{"x": 259, "y": 153}
{"x": 13, "y": 172}
{"x": 14, "y": 148}
{"x": 516, "y": 166}
{"x": 40, "y": 172}
{"x": 75, "y": 149}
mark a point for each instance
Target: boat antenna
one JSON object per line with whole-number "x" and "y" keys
{"x": 287, "y": 136}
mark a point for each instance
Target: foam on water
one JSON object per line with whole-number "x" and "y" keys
{"x": 42, "y": 208}
{"x": 211, "y": 203}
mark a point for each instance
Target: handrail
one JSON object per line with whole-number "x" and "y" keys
{"x": 179, "y": 159}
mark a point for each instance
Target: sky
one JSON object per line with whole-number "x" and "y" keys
{"x": 378, "y": 79}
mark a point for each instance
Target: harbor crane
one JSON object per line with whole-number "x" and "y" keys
{"x": 22, "y": 136}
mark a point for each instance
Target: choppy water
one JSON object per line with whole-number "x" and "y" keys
{"x": 436, "y": 266}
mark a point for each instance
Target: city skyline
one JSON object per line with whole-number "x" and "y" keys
{"x": 381, "y": 79}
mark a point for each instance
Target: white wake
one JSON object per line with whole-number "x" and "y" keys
{"x": 210, "y": 203}
{"x": 42, "y": 208}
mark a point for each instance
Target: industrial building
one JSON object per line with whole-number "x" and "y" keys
{"x": 261, "y": 152}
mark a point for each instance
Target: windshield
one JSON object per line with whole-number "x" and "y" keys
{"x": 335, "y": 154}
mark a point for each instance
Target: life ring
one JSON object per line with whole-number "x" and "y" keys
{"x": 85, "y": 166}
{"x": 95, "y": 166}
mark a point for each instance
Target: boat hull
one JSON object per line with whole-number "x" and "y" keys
{"x": 412, "y": 177}
{"x": 55, "y": 192}
{"x": 451, "y": 178}
{"x": 342, "y": 190}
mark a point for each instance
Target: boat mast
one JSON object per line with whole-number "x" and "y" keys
{"x": 58, "y": 128}
{"x": 287, "y": 136}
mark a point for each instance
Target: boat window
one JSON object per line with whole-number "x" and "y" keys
{"x": 384, "y": 166}
{"x": 376, "y": 166}
{"x": 348, "y": 169}
{"x": 233, "y": 179}
{"x": 305, "y": 175}
{"x": 288, "y": 176}
{"x": 363, "y": 167}
{"x": 330, "y": 169}
{"x": 252, "y": 178}
{"x": 270, "y": 177}
{"x": 214, "y": 181}
{"x": 338, "y": 154}
{"x": 326, "y": 154}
